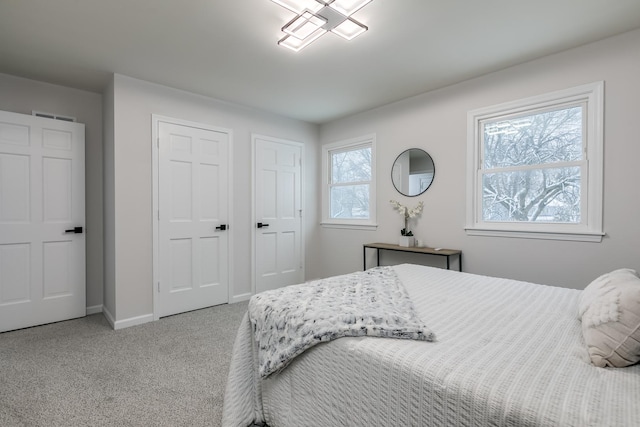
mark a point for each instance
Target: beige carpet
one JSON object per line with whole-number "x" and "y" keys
{"x": 82, "y": 373}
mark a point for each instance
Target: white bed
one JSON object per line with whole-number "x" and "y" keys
{"x": 507, "y": 353}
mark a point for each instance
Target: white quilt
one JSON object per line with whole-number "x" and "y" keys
{"x": 508, "y": 353}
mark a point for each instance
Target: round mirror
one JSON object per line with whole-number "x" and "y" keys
{"x": 413, "y": 172}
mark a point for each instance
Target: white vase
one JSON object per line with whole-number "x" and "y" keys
{"x": 407, "y": 241}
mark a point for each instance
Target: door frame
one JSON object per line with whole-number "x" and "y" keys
{"x": 156, "y": 119}
{"x": 254, "y": 138}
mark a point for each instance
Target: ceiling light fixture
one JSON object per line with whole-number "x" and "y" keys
{"x": 316, "y": 17}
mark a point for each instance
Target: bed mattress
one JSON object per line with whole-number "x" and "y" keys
{"x": 507, "y": 353}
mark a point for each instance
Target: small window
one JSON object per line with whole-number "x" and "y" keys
{"x": 536, "y": 167}
{"x": 349, "y": 183}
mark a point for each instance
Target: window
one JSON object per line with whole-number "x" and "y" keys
{"x": 535, "y": 167}
{"x": 349, "y": 185}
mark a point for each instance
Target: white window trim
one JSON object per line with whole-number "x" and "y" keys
{"x": 589, "y": 231}
{"x": 357, "y": 224}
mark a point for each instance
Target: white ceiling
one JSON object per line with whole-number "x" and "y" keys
{"x": 227, "y": 49}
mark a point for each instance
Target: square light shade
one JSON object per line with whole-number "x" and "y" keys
{"x": 347, "y": 7}
{"x": 304, "y": 25}
{"x": 349, "y": 29}
{"x": 317, "y": 17}
{"x": 296, "y": 44}
{"x": 299, "y": 6}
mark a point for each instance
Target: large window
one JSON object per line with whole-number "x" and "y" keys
{"x": 536, "y": 167}
{"x": 349, "y": 183}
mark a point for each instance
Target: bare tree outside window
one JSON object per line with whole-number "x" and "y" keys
{"x": 536, "y": 166}
{"x": 350, "y": 182}
{"x": 532, "y": 167}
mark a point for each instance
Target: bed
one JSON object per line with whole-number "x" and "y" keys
{"x": 507, "y": 353}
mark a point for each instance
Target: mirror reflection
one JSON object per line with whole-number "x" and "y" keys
{"x": 413, "y": 172}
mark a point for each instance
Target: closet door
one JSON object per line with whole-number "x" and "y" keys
{"x": 279, "y": 251}
{"x": 193, "y": 218}
{"x": 42, "y": 215}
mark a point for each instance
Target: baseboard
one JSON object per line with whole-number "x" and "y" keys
{"x": 107, "y": 315}
{"x": 133, "y": 321}
{"x": 126, "y": 323}
{"x": 240, "y": 298}
{"x": 94, "y": 309}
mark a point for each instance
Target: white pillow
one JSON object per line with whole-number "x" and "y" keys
{"x": 609, "y": 309}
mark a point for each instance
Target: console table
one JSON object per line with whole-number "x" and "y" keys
{"x": 448, "y": 253}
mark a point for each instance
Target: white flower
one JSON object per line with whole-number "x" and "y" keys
{"x": 416, "y": 211}
{"x": 407, "y": 213}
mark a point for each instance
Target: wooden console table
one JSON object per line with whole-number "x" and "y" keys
{"x": 448, "y": 253}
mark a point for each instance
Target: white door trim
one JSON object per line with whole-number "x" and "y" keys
{"x": 254, "y": 220}
{"x": 155, "y": 169}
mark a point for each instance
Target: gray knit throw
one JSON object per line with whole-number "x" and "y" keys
{"x": 289, "y": 320}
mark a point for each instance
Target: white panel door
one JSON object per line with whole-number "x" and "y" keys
{"x": 193, "y": 218}
{"x": 278, "y": 212}
{"x": 42, "y": 244}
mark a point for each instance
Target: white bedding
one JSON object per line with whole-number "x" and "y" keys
{"x": 508, "y": 353}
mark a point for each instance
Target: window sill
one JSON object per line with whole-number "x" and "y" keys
{"x": 365, "y": 227}
{"x": 547, "y": 235}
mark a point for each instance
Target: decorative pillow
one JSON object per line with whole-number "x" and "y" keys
{"x": 610, "y": 312}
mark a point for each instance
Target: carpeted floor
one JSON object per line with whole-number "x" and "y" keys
{"x": 82, "y": 373}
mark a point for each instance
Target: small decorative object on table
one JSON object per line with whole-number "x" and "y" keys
{"x": 406, "y": 235}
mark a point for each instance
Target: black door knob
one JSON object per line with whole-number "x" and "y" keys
{"x": 261, "y": 225}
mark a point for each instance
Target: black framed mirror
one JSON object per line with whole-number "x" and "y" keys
{"x": 413, "y": 172}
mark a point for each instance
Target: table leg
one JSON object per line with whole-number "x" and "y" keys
{"x": 364, "y": 258}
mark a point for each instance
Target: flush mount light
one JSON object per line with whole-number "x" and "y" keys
{"x": 316, "y": 17}
{"x": 347, "y": 7}
{"x": 299, "y": 6}
{"x": 349, "y": 29}
{"x": 303, "y": 26}
{"x": 296, "y": 44}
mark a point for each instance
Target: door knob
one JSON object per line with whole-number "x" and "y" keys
{"x": 77, "y": 230}
{"x": 261, "y": 225}
{"x": 222, "y": 227}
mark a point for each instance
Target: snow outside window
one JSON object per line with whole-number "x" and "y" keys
{"x": 349, "y": 183}
{"x": 535, "y": 167}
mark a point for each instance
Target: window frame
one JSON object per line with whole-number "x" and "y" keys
{"x": 341, "y": 146}
{"x": 590, "y": 229}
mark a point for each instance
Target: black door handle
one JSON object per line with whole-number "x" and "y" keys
{"x": 77, "y": 230}
{"x": 222, "y": 227}
{"x": 260, "y": 225}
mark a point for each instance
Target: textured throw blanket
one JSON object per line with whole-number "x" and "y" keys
{"x": 289, "y": 320}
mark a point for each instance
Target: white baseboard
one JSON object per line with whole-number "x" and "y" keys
{"x": 240, "y": 298}
{"x": 126, "y": 323}
{"x": 133, "y": 321}
{"x": 107, "y": 315}
{"x": 94, "y": 309}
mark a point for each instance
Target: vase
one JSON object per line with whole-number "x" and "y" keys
{"x": 407, "y": 241}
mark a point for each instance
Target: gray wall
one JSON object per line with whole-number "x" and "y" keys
{"x": 436, "y": 122}
{"x": 134, "y": 103}
{"x": 21, "y": 95}
{"x": 109, "y": 296}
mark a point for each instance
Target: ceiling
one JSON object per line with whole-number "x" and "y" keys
{"x": 227, "y": 49}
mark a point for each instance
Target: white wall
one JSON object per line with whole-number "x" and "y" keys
{"x": 436, "y": 122}
{"x": 21, "y": 95}
{"x": 134, "y": 102}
